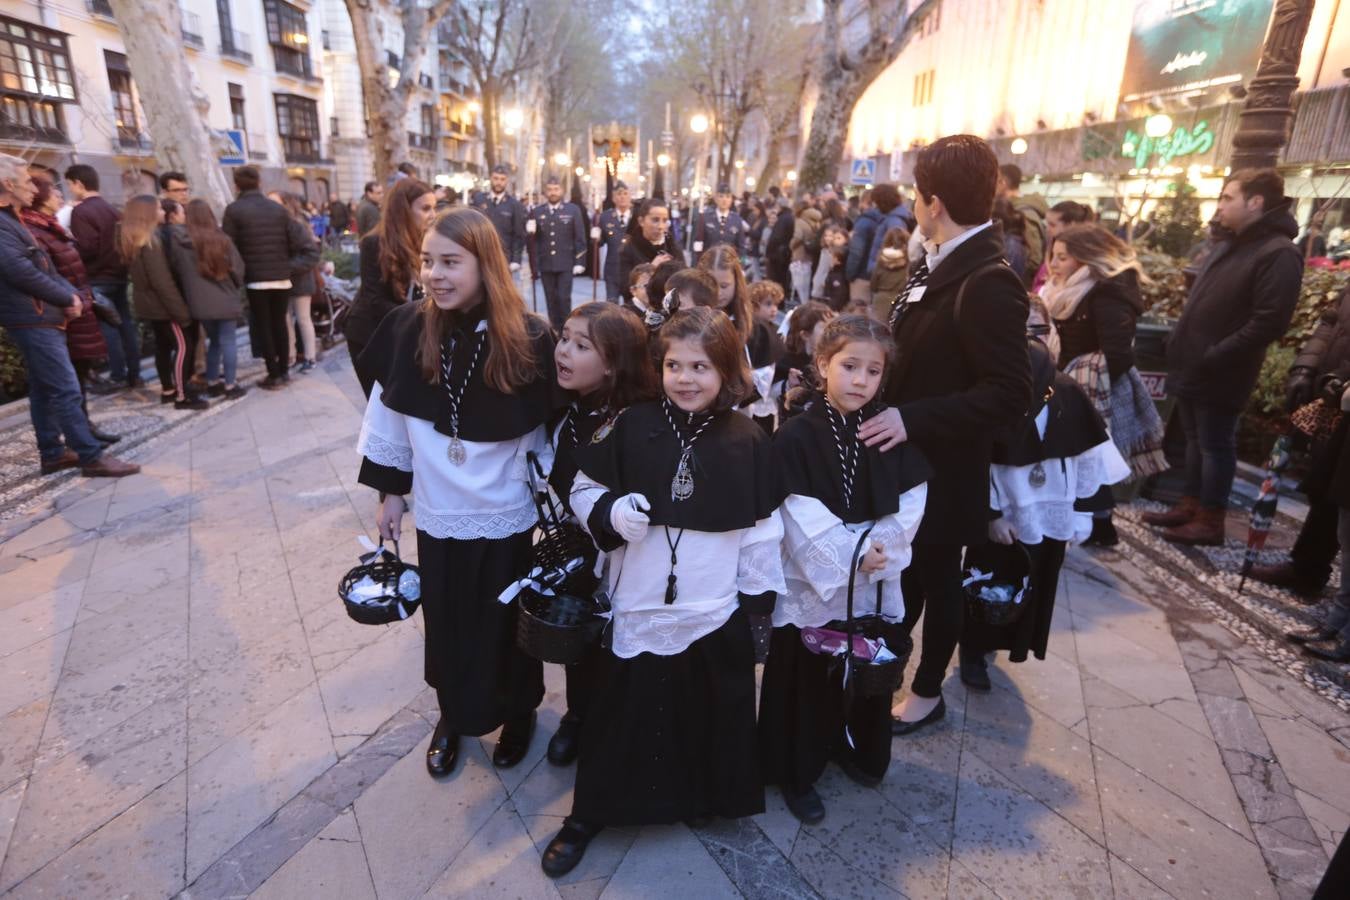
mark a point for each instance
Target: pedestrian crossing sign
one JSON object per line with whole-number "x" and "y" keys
{"x": 234, "y": 156}
{"x": 863, "y": 172}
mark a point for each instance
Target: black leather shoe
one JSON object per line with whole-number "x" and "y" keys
{"x": 805, "y": 805}
{"x": 562, "y": 747}
{"x": 442, "y": 753}
{"x": 1311, "y": 635}
{"x": 939, "y": 713}
{"x": 975, "y": 672}
{"x": 1336, "y": 650}
{"x": 514, "y": 742}
{"x": 566, "y": 849}
{"x": 1103, "y": 534}
{"x": 855, "y": 774}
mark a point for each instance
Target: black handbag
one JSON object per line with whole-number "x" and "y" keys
{"x": 104, "y": 309}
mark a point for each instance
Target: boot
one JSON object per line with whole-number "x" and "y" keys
{"x": 1205, "y": 530}
{"x": 1179, "y": 514}
{"x": 1287, "y": 575}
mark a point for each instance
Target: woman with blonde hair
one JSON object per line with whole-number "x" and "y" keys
{"x": 462, "y": 386}
{"x": 1094, "y": 301}
{"x": 303, "y": 286}
{"x": 158, "y": 300}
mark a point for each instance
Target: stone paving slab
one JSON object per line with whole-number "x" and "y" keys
{"x": 185, "y": 709}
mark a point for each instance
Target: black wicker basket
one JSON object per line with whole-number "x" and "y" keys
{"x": 868, "y": 677}
{"x": 562, "y": 541}
{"x": 393, "y": 604}
{"x": 557, "y": 627}
{"x": 992, "y": 565}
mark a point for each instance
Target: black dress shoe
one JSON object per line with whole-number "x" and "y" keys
{"x": 1103, "y": 534}
{"x": 514, "y": 742}
{"x": 975, "y": 672}
{"x": 566, "y": 849}
{"x": 1311, "y": 635}
{"x": 805, "y": 805}
{"x": 562, "y": 747}
{"x": 855, "y": 774}
{"x": 1336, "y": 650}
{"x": 443, "y": 752}
{"x": 939, "y": 712}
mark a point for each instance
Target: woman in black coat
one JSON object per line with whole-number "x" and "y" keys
{"x": 390, "y": 260}
{"x": 649, "y": 240}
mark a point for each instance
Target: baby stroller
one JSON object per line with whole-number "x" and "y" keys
{"x": 332, "y": 302}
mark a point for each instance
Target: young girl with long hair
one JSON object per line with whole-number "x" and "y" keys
{"x": 211, "y": 273}
{"x": 390, "y": 260}
{"x": 604, "y": 366}
{"x": 462, "y": 386}
{"x": 681, "y": 494}
{"x": 157, "y": 299}
{"x": 763, "y": 348}
{"x": 839, "y": 493}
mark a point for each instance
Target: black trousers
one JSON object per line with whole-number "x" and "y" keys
{"x": 558, "y": 296}
{"x": 269, "y": 317}
{"x": 1314, "y": 551}
{"x": 932, "y": 588}
{"x": 174, "y": 347}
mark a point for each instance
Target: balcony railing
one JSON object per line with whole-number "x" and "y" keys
{"x": 256, "y": 143}
{"x": 125, "y": 141}
{"x": 235, "y": 44}
{"x": 453, "y": 85}
{"x": 421, "y": 141}
{"x": 192, "y": 30}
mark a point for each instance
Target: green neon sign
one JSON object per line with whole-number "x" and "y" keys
{"x": 1181, "y": 142}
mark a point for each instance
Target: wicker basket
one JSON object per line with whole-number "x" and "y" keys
{"x": 392, "y": 605}
{"x": 557, "y": 628}
{"x": 869, "y": 678}
{"x": 1008, "y": 565}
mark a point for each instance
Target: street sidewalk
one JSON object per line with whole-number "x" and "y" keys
{"x": 187, "y": 709}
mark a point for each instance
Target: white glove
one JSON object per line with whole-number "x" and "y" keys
{"x": 529, "y": 226}
{"x": 514, "y": 267}
{"x": 628, "y": 517}
{"x": 577, "y": 270}
{"x": 595, "y": 233}
{"x": 698, "y": 246}
{"x": 1001, "y": 531}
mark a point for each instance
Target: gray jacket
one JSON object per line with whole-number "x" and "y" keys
{"x": 31, "y": 291}
{"x": 206, "y": 298}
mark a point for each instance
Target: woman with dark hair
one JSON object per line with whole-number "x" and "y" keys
{"x": 462, "y": 386}
{"x": 390, "y": 256}
{"x": 648, "y": 241}
{"x": 1057, "y": 218}
{"x": 211, "y": 273}
{"x": 84, "y": 340}
{"x": 158, "y": 300}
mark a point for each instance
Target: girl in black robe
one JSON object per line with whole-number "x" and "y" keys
{"x": 603, "y": 365}
{"x": 681, "y": 494}
{"x": 463, "y": 384}
{"x": 838, "y": 494}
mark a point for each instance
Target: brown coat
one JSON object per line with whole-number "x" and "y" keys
{"x": 83, "y": 337}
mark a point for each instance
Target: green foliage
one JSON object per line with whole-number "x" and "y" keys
{"x": 13, "y": 375}
{"x": 1268, "y": 397}
{"x": 1176, "y": 224}
{"x": 1165, "y": 293}
{"x": 345, "y": 265}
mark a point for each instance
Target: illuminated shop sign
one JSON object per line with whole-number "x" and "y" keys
{"x": 1182, "y": 141}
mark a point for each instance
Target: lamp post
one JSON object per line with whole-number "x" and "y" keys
{"x": 698, "y": 124}
{"x": 1263, "y": 127}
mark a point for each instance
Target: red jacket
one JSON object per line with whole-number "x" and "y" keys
{"x": 83, "y": 337}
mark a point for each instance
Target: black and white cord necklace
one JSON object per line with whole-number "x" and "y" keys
{"x": 849, "y": 450}
{"x": 682, "y": 485}
{"x": 455, "y": 451}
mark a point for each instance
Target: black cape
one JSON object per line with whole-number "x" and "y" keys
{"x": 485, "y": 414}
{"x": 734, "y": 477}
{"x": 808, "y": 462}
{"x": 1074, "y": 427}
{"x": 582, "y": 419}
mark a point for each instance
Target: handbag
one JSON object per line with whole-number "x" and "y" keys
{"x": 104, "y": 310}
{"x": 1316, "y": 419}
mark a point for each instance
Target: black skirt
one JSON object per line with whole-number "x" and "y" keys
{"x": 480, "y": 676}
{"x": 1031, "y": 630}
{"x": 669, "y": 738}
{"x": 802, "y": 716}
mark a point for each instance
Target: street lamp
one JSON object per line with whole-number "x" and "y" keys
{"x": 750, "y": 181}
{"x": 1019, "y": 146}
{"x": 792, "y": 174}
{"x": 561, "y": 160}
{"x": 580, "y": 171}
{"x": 662, "y": 159}
{"x": 513, "y": 119}
{"x": 474, "y": 108}
{"x": 698, "y": 123}
{"x": 1158, "y": 125}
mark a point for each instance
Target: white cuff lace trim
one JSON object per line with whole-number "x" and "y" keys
{"x": 471, "y": 526}
{"x": 384, "y": 452}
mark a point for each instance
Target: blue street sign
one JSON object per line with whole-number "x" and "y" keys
{"x": 235, "y": 157}
{"x": 862, "y": 172}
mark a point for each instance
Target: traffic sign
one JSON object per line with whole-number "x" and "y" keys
{"x": 235, "y": 155}
{"x": 863, "y": 172}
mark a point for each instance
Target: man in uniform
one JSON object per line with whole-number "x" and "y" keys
{"x": 507, "y": 215}
{"x": 559, "y": 249}
{"x": 613, "y": 227}
{"x": 721, "y": 225}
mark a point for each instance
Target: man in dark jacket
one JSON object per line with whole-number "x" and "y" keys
{"x": 1320, "y": 369}
{"x": 1242, "y": 300}
{"x": 93, "y": 224}
{"x": 613, "y": 229}
{"x": 778, "y": 250}
{"x": 507, "y": 214}
{"x": 35, "y": 303}
{"x": 559, "y": 249}
{"x": 858, "y": 265}
{"x": 368, "y": 210}
{"x": 963, "y": 375}
{"x": 894, "y": 214}
{"x": 274, "y": 247}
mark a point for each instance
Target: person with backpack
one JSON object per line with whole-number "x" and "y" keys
{"x": 1033, "y": 210}
{"x": 894, "y": 214}
{"x": 210, "y": 271}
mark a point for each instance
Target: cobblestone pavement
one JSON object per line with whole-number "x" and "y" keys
{"x": 186, "y": 709}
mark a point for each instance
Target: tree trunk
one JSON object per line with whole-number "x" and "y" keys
{"x": 487, "y": 98}
{"x": 176, "y": 119}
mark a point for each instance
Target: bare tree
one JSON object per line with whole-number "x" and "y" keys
{"x": 386, "y": 103}
{"x": 152, "y": 32}
{"x": 494, "y": 39}
{"x": 842, "y": 73}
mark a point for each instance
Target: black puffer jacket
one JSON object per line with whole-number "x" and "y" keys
{"x": 1104, "y": 320}
{"x": 1241, "y": 302}
{"x": 274, "y": 246}
{"x": 1327, "y": 351}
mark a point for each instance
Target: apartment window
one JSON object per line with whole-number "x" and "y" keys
{"x": 298, "y": 126}
{"x": 237, "y": 120}
{"x": 123, "y": 100}
{"x": 428, "y": 120}
{"x": 35, "y": 80}
{"x": 288, "y": 33}
{"x": 923, "y": 87}
{"x": 931, "y": 22}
